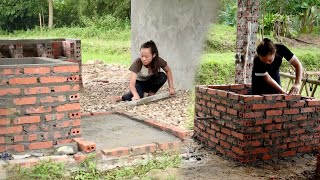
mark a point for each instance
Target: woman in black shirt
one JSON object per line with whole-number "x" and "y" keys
{"x": 265, "y": 73}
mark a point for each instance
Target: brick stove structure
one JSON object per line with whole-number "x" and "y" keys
{"x": 248, "y": 128}
{"x": 39, "y": 95}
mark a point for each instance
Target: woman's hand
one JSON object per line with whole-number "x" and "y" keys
{"x": 172, "y": 91}
{"x": 135, "y": 98}
{"x": 295, "y": 89}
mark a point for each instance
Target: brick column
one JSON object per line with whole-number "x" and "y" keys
{"x": 247, "y": 28}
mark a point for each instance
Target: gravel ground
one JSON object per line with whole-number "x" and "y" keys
{"x": 103, "y": 81}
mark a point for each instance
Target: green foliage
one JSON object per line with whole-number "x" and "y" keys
{"x": 87, "y": 169}
{"x": 66, "y": 13}
{"x": 44, "y": 170}
{"x": 228, "y": 12}
{"x": 106, "y": 22}
{"x": 221, "y": 38}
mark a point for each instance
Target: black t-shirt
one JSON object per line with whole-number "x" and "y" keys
{"x": 260, "y": 69}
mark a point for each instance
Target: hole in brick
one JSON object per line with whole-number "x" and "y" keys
{"x": 75, "y": 96}
{"x": 52, "y": 90}
{"x": 71, "y": 97}
{"x": 78, "y": 131}
{"x": 12, "y": 139}
{"x": 92, "y": 147}
{"x": 54, "y": 125}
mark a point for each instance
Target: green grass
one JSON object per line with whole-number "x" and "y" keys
{"x": 88, "y": 169}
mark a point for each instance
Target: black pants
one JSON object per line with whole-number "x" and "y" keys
{"x": 153, "y": 84}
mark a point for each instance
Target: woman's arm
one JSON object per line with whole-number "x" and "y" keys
{"x": 170, "y": 79}
{"x": 273, "y": 84}
{"x": 298, "y": 69}
{"x": 132, "y": 86}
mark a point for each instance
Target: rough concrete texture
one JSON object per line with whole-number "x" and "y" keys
{"x": 112, "y": 131}
{"x": 178, "y": 28}
{"x": 30, "y": 60}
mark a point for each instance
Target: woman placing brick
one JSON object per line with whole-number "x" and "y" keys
{"x": 265, "y": 73}
{"x": 145, "y": 74}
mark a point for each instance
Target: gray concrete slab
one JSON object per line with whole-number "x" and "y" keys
{"x": 112, "y": 131}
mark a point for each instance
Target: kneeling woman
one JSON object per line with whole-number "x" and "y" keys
{"x": 145, "y": 74}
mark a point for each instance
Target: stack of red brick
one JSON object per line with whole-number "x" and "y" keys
{"x": 39, "y": 106}
{"x": 252, "y": 127}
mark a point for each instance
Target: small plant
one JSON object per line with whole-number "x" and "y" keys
{"x": 87, "y": 169}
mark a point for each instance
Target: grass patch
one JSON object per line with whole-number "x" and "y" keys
{"x": 88, "y": 169}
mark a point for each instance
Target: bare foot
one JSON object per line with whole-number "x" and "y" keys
{"x": 116, "y": 98}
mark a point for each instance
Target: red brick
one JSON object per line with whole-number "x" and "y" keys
{"x": 313, "y": 102}
{"x": 12, "y": 71}
{"x": 10, "y": 91}
{"x": 4, "y": 121}
{"x": 253, "y": 129}
{"x": 305, "y": 149}
{"x": 64, "y": 88}
{"x": 32, "y": 137}
{"x": 75, "y": 131}
{"x": 16, "y": 148}
{"x": 279, "y": 134}
{"x": 143, "y": 149}
{"x": 226, "y": 131}
{"x": 24, "y": 81}
{"x": 28, "y": 120}
{"x": 239, "y": 151}
{"x": 63, "y": 69}
{"x": 308, "y": 110}
{"x": 25, "y": 101}
{"x": 210, "y": 131}
{"x": 86, "y": 146}
{"x": 273, "y": 97}
{"x": 64, "y": 141}
{"x": 271, "y": 127}
{"x": 74, "y": 97}
{"x": 291, "y": 111}
{"x": 263, "y": 121}
{"x": 220, "y": 149}
{"x": 288, "y": 153}
{"x": 212, "y": 91}
{"x": 297, "y": 131}
{"x": 36, "y": 70}
{"x": 204, "y": 134}
{"x": 266, "y": 157}
{"x": 68, "y": 107}
{"x": 178, "y": 132}
{"x": 294, "y": 144}
{"x": 299, "y": 118}
{"x": 274, "y": 112}
{"x": 260, "y": 151}
{"x": 11, "y": 130}
{"x": 40, "y": 145}
{"x": 233, "y": 96}
{"x": 80, "y": 157}
{"x": 260, "y": 106}
{"x": 121, "y": 151}
{"x": 221, "y": 136}
{"x": 214, "y": 139}
{"x": 21, "y": 138}
{"x": 73, "y": 78}
{"x": 237, "y": 86}
{"x": 37, "y": 90}
{"x": 222, "y": 93}
{"x": 54, "y": 117}
{"x": 251, "y": 114}
{"x": 52, "y": 99}
{"x": 38, "y": 110}
{"x": 250, "y": 98}
{"x": 279, "y": 105}
{"x": 246, "y": 123}
{"x": 237, "y": 135}
{"x": 292, "y": 97}
{"x": 232, "y": 111}
{"x": 300, "y": 103}
{"x": 2, "y": 141}
{"x": 53, "y": 79}
{"x": 33, "y": 128}
{"x": 225, "y": 144}
{"x": 3, "y": 81}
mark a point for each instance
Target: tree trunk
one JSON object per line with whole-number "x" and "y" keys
{"x": 50, "y": 24}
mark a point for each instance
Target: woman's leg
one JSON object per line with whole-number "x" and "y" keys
{"x": 128, "y": 96}
{"x": 155, "y": 82}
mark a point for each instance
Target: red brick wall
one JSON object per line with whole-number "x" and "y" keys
{"x": 252, "y": 127}
{"x": 39, "y": 106}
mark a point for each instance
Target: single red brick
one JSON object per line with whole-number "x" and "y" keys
{"x": 75, "y": 131}
{"x": 25, "y": 101}
{"x": 73, "y": 78}
{"x": 28, "y": 120}
{"x": 237, "y": 135}
{"x": 11, "y": 130}
{"x": 143, "y": 149}
{"x": 204, "y": 134}
{"x": 84, "y": 145}
{"x": 37, "y": 90}
{"x": 121, "y": 151}
{"x": 307, "y": 110}
{"x": 266, "y": 157}
{"x": 221, "y": 136}
{"x": 246, "y": 123}
{"x": 10, "y": 91}
{"x": 23, "y": 81}
{"x": 38, "y": 110}
{"x": 52, "y": 99}
{"x": 210, "y": 131}
{"x": 11, "y": 71}
{"x": 226, "y": 131}
{"x": 222, "y": 93}
{"x": 2, "y": 141}
{"x": 214, "y": 139}
{"x": 313, "y": 102}
{"x": 239, "y": 151}
{"x": 68, "y": 107}
{"x": 291, "y": 111}
{"x": 53, "y": 117}
{"x": 233, "y": 96}
{"x": 294, "y": 104}
{"x": 4, "y": 121}
{"x": 297, "y": 131}
{"x": 305, "y": 149}
{"x": 36, "y": 70}
{"x": 271, "y": 127}
{"x": 279, "y": 134}
{"x": 63, "y": 69}
{"x": 40, "y": 145}
{"x": 260, "y": 106}
{"x": 64, "y": 141}
{"x": 251, "y": 114}
{"x": 225, "y": 144}
{"x": 212, "y": 91}
{"x": 64, "y": 88}
{"x": 74, "y": 97}
{"x": 260, "y": 151}
{"x": 232, "y": 111}
{"x": 299, "y": 118}
{"x": 220, "y": 149}
{"x": 274, "y": 112}
{"x": 288, "y": 153}
{"x": 32, "y": 137}
{"x": 53, "y": 79}
{"x": 279, "y": 105}
{"x": 80, "y": 157}
{"x": 250, "y": 98}
{"x": 263, "y": 121}
{"x": 292, "y": 97}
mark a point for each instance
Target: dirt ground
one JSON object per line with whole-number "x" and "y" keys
{"x": 103, "y": 81}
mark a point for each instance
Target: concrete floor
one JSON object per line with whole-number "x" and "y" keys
{"x": 112, "y": 131}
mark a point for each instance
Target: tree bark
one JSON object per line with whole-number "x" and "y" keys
{"x": 50, "y": 3}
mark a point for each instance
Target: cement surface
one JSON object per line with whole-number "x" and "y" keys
{"x": 112, "y": 131}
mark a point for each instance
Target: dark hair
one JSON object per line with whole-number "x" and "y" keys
{"x": 266, "y": 47}
{"x": 155, "y": 64}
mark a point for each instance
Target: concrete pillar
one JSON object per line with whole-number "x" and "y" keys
{"x": 178, "y": 27}
{"x": 247, "y": 28}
